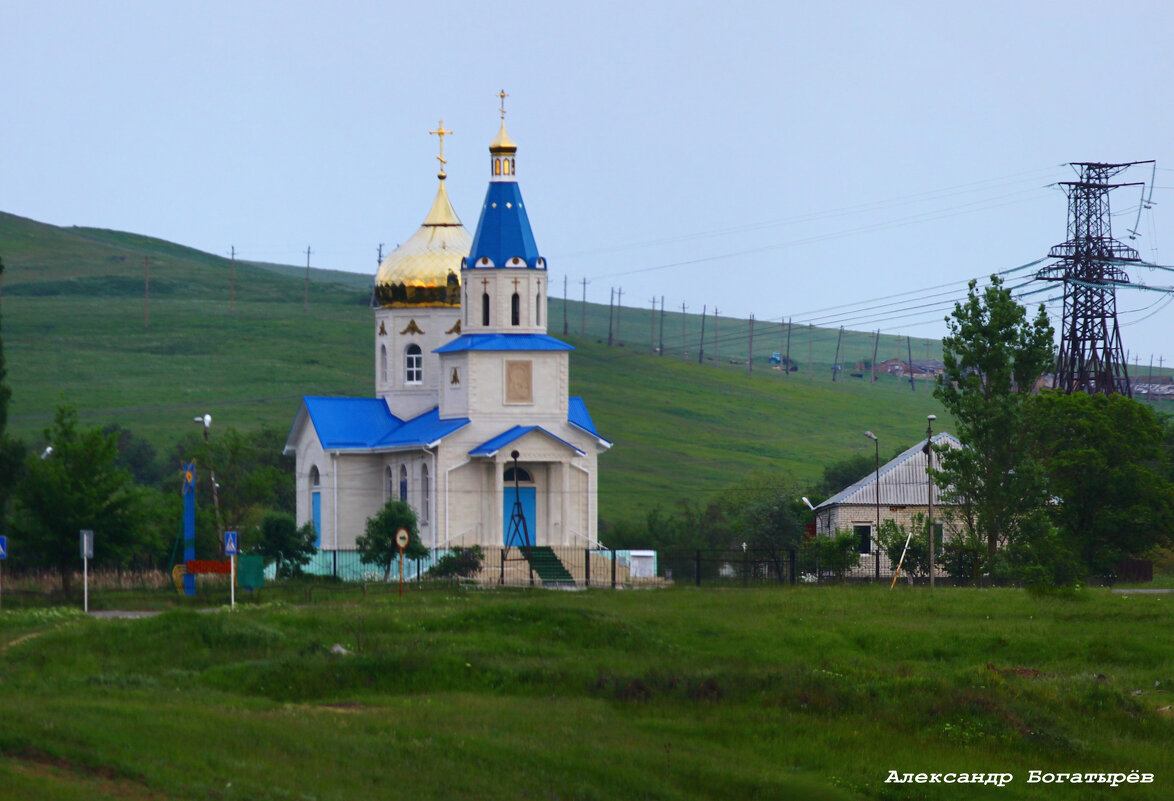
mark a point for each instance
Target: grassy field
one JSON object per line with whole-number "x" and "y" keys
{"x": 672, "y": 694}
{"x": 75, "y": 330}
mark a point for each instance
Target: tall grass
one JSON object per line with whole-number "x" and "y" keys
{"x": 774, "y": 693}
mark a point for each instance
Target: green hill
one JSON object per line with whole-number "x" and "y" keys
{"x": 76, "y": 327}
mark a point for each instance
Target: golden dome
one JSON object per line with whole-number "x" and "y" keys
{"x": 426, "y": 270}
{"x": 502, "y": 142}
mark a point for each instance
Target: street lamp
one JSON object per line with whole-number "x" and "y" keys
{"x": 876, "y": 533}
{"x": 206, "y": 421}
{"x": 929, "y": 487}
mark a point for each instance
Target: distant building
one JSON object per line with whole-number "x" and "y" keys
{"x": 904, "y": 494}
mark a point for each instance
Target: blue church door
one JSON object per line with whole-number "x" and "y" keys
{"x": 522, "y": 537}
{"x": 316, "y": 516}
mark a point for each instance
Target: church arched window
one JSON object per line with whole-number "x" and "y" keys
{"x": 484, "y": 308}
{"x": 523, "y": 474}
{"x": 425, "y": 494}
{"x": 403, "y": 483}
{"x": 383, "y": 363}
{"x": 515, "y": 310}
{"x": 413, "y": 364}
{"x": 390, "y": 484}
{"x": 538, "y": 309}
{"x": 315, "y": 479}
{"x": 497, "y": 166}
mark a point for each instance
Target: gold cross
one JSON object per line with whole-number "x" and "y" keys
{"x": 503, "y": 96}
{"x": 484, "y": 284}
{"x": 515, "y": 284}
{"x": 440, "y": 133}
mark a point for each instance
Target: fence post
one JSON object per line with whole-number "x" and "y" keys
{"x": 335, "y": 555}
{"x": 697, "y": 568}
{"x": 613, "y": 568}
{"x": 501, "y": 578}
{"x": 587, "y": 568}
{"x": 791, "y": 564}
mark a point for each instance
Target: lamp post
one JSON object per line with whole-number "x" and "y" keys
{"x": 929, "y": 488}
{"x": 876, "y": 532}
{"x": 206, "y": 421}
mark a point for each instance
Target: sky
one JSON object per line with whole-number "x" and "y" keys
{"x": 838, "y": 163}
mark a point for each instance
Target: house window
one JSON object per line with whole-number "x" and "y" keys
{"x": 939, "y": 532}
{"x": 863, "y": 538}
{"x": 484, "y": 308}
{"x": 515, "y": 310}
{"x": 425, "y": 494}
{"x": 414, "y": 365}
{"x": 403, "y": 483}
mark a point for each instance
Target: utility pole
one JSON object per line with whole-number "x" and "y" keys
{"x": 929, "y": 488}
{"x": 661, "y": 350}
{"x": 564, "y": 305}
{"x": 232, "y": 283}
{"x": 750, "y": 349}
{"x": 787, "y": 363}
{"x": 611, "y": 304}
{"x": 147, "y": 293}
{"x": 652, "y": 330}
{"x": 684, "y": 344}
{"x": 583, "y": 310}
{"x": 619, "y": 310}
{"x": 875, "y": 345}
{"x": 836, "y": 360}
{"x": 909, "y": 346}
{"x": 306, "y": 295}
{"x": 701, "y": 344}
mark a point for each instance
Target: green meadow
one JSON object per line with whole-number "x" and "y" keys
{"x": 807, "y": 693}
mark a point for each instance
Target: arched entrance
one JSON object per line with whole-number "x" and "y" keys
{"x": 518, "y": 506}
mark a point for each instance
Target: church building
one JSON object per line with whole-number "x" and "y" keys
{"x": 470, "y": 422}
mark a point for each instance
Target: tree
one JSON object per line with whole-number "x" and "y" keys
{"x": 461, "y": 563}
{"x": 11, "y": 451}
{"x": 377, "y": 544}
{"x": 78, "y": 486}
{"x": 283, "y": 543}
{"x": 1108, "y": 472}
{"x": 993, "y": 357}
{"x": 763, "y": 513}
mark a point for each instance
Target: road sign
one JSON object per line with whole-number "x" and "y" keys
{"x": 3, "y": 547}
{"x": 87, "y": 543}
{"x": 230, "y": 543}
{"x": 402, "y": 538}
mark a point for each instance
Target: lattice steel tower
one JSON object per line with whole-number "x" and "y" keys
{"x": 1091, "y": 358}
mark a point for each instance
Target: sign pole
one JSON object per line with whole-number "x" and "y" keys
{"x": 230, "y": 549}
{"x": 401, "y": 539}
{"x": 87, "y": 543}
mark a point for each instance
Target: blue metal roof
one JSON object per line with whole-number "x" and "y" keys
{"x": 367, "y": 424}
{"x": 503, "y": 342}
{"x": 503, "y": 232}
{"x": 492, "y": 446}
{"x": 423, "y": 430}
{"x": 578, "y": 415}
{"x": 350, "y": 422}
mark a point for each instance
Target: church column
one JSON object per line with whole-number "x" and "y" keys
{"x": 564, "y": 475}
{"x": 496, "y": 510}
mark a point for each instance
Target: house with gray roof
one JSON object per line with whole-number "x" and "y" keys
{"x": 904, "y": 493}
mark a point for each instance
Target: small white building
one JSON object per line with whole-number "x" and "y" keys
{"x": 471, "y": 413}
{"x": 904, "y": 494}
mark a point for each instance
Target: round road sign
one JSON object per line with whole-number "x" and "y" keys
{"x": 401, "y": 538}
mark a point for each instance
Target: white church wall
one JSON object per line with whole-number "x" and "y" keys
{"x": 410, "y": 392}
{"x": 530, "y": 384}
{"x": 454, "y": 397}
